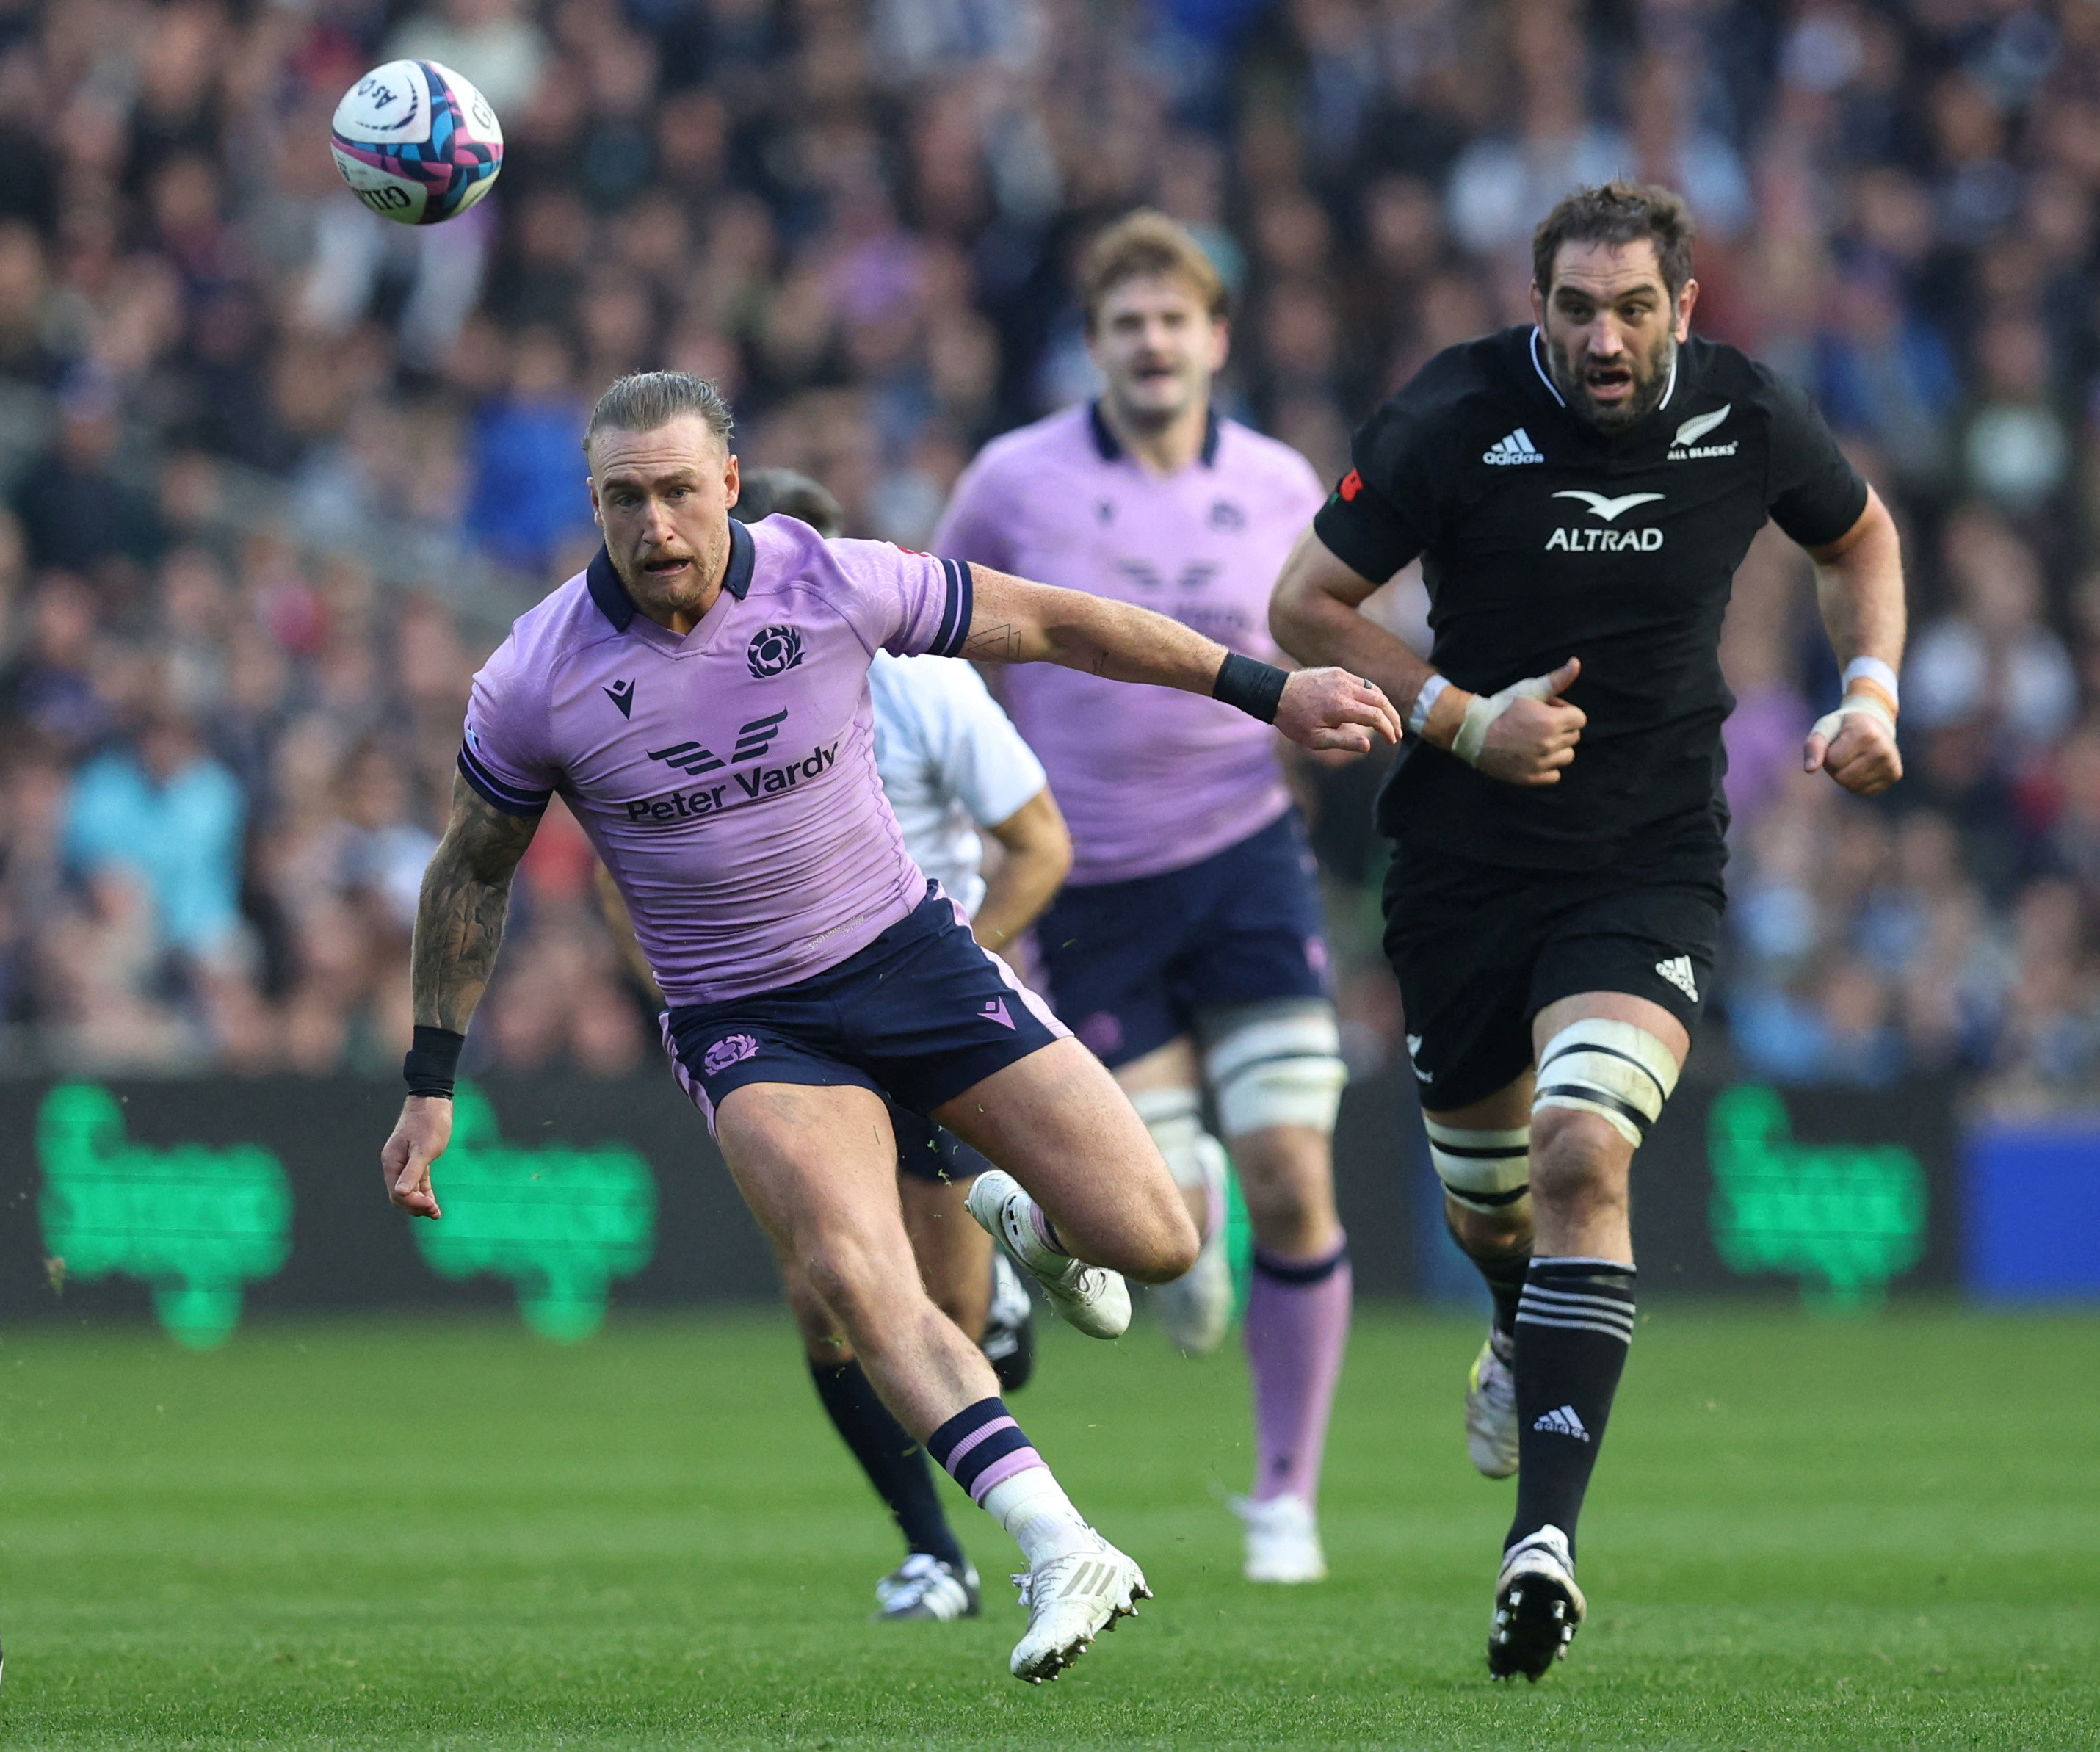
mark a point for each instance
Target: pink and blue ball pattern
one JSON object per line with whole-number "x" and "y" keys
{"x": 453, "y": 166}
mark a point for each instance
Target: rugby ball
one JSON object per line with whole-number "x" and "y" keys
{"x": 417, "y": 143}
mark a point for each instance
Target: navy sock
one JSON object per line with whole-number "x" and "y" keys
{"x": 895, "y": 1464}
{"x": 1572, "y": 1327}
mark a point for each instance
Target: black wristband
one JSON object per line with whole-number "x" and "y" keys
{"x": 433, "y": 1061}
{"x": 1257, "y": 688}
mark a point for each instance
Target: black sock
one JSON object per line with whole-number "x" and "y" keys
{"x": 895, "y": 1464}
{"x": 1505, "y": 1273}
{"x": 1572, "y": 1327}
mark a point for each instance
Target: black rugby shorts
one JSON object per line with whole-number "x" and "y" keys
{"x": 1480, "y": 950}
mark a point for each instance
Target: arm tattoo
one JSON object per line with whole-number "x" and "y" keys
{"x": 459, "y": 921}
{"x": 998, "y": 644}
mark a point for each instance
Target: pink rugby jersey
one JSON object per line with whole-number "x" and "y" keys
{"x": 1150, "y": 778}
{"x": 727, "y": 778}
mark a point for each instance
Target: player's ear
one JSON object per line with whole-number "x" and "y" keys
{"x": 1688, "y": 296}
{"x": 590, "y": 487}
{"x": 1221, "y": 344}
{"x": 1538, "y": 306}
{"x": 732, "y": 482}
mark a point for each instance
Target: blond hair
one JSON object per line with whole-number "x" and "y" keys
{"x": 1145, "y": 245}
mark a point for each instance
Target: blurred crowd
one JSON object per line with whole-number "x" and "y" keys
{"x": 277, "y": 473}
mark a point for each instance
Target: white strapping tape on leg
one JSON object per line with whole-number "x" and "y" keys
{"x": 1174, "y": 1118}
{"x": 1614, "y": 1070}
{"x": 1482, "y": 1170}
{"x": 1283, "y": 1068}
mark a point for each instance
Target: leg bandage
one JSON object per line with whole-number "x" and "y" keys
{"x": 1174, "y": 1118}
{"x": 1614, "y": 1070}
{"x": 1276, "y": 1066}
{"x": 1482, "y": 1170}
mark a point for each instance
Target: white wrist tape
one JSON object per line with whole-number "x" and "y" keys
{"x": 1874, "y": 670}
{"x": 1426, "y": 697}
{"x": 1866, "y": 705}
{"x": 1484, "y": 709}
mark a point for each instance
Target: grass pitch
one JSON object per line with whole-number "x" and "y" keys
{"x": 447, "y": 1534}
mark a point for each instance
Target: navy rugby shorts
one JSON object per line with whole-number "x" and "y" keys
{"x": 1480, "y": 950}
{"x": 1130, "y": 964}
{"x": 919, "y": 1015}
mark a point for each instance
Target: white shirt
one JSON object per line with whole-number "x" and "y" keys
{"x": 950, "y": 762}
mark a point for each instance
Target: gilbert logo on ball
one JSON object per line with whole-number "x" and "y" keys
{"x": 417, "y": 143}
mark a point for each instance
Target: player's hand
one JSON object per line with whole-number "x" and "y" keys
{"x": 1331, "y": 709}
{"x": 420, "y": 1137}
{"x": 1534, "y": 736}
{"x": 1861, "y": 755}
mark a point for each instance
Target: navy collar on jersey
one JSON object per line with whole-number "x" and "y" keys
{"x": 1552, "y": 389}
{"x": 1104, "y": 440}
{"x": 618, "y": 606}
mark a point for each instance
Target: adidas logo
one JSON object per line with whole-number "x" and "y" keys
{"x": 1678, "y": 971}
{"x": 1516, "y": 447}
{"x": 1563, "y": 1423}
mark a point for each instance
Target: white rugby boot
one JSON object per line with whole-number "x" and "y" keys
{"x": 1071, "y": 1600}
{"x": 1092, "y": 1297}
{"x": 1282, "y": 1539}
{"x": 1491, "y": 1427}
{"x": 922, "y": 1587}
{"x": 1537, "y": 1607}
{"x": 1197, "y": 1308}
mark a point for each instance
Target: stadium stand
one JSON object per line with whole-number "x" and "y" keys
{"x": 278, "y": 473}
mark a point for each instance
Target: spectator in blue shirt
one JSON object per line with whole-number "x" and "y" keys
{"x": 168, "y": 814}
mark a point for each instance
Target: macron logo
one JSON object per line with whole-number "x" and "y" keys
{"x": 996, "y": 1011}
{"x": 1678, "y": 971}
{"x": 621, "y": 694}
{"x": 1516, "y": 447}
{"x": 1563, "y": 1423}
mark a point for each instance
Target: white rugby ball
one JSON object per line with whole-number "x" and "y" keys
{"x": 417, "y": 143}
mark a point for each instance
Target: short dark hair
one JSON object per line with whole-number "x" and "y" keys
{"x": 1141, "y": 245}
{"x": 786, "y": 492}
{"x": 1619, "y": 213}
{"x": 648, "y": 401}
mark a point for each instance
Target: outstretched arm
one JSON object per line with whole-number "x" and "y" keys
{"x": 1016, "y": 621}
{"x": 459, "y": 927}
{"x": 1523, "y": 735}
{"x": 1860, "y": 588}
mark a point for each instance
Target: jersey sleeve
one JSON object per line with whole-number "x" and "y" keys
{"x": 975, "y": 524}
{"x": 907, "y": 604}
{"x": 1814, "y": 494}
{"x": 983, "y": 762}
{"x": 1382, "y": 513}
{"x": 504, "y": 755}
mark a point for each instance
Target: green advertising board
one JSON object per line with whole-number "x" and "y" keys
{"x": 561, "y": 1224}
{"x": 1845, "y": 1218}
{"x": 199, "y": 1223}
{"x": 196, "y": 1223}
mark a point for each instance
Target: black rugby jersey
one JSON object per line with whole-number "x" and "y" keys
{"x": 1543, "y": 539}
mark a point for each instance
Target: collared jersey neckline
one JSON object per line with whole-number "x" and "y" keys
{"x": 1111, "y": 450}
{"x": 618, "y": 606}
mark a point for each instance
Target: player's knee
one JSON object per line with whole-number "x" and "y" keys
{"x": 1579, "y": 1163}
{"x": 1490, "y": 1234}
{"x": 1599, "y": 1069}
{"x": 855, "y": 1286}
{"x": 1486, "y": 1175}
{"x": 1275, "y": 1064}
{"x": 1164, "y": 1247}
